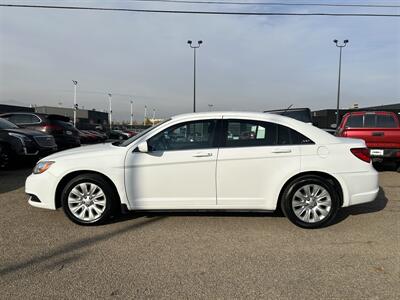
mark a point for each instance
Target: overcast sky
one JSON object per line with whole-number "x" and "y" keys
{"x": 245, "y": 63}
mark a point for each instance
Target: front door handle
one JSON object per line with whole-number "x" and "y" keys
{"x": 281, "y": 151}
{"x": 202, "y": 154}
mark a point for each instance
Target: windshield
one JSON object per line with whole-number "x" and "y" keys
{"x": 134, "y": 138}
{"x": 4, "y": 124}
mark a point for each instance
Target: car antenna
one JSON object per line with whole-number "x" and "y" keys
{"x": 289, "y": 107}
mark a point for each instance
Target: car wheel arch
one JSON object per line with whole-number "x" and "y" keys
{"x": 327, "y": 176}
{"x": 67, "y": 177}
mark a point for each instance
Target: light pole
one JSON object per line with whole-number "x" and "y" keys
{"x": 154, "y": 115}
{"x": 145, "y": 115}
{"x": 110, "y": 110}
{"x": 131, "y": 113}
{"x": 340, "y": 46}
{"x": 75, "y": 105}
{"x": 210, "y": 106}
{"x": 194, "y": 47}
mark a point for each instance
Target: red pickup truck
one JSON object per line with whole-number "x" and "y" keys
{"x": 379, "y": 129}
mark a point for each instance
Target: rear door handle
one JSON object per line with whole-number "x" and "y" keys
{"x": 202, "y": 154}
{"x": 281, "y": 151}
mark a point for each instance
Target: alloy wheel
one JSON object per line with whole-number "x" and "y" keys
{"x": 311, "y": 203}
{"x": 87, "y": 201}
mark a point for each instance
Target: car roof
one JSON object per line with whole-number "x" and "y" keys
{"x": 365, "y": 112}
{"x": 306, "y": 129}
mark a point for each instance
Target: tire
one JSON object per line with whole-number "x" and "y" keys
{"x": 90, "y": 210}
{"x": 6, "y": 157}
{"x": 310, "y": 202}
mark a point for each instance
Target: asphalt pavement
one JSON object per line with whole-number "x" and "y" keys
{"x": 199, "y": 255}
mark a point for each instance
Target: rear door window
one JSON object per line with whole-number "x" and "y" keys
{"x": 24, "y": 119}
{"x": 248, "y": 133}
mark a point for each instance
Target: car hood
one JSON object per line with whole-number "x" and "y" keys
{"x": 99, "y": 150}
{"x": 24, "y": 131}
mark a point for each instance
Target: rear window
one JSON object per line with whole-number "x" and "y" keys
{"x": 385, "y": 121}
{"x": 355, "y": 121}
{"x": 371, "y": 121}
{"x": 63, "y": 124}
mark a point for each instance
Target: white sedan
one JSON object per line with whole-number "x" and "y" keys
{"x": 210, "y": 161}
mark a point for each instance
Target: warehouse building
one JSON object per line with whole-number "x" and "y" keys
{"x": 5, "y": 108}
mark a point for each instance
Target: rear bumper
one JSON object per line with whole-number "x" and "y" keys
{"x": 360, "y": 187}
{"x": 387, "y": 154}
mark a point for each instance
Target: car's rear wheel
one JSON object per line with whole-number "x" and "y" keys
{"x": 88, "y": 199}
{"x": 310, "y": 202}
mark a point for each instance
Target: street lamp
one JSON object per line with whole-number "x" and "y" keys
{"x": 110, "y": 110}
{"x": 75, "y": 105}
{"x": 194, "y": 47}
{"x": 340, "y": 46}
{"x": 131, "y": 114}
{"x": 145, "y": 115}
{"x": 210, "y": 106}
{"x": 154, "y": 115}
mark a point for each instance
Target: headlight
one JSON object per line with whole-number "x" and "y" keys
{"x": 21, "y": 137}
{"x": 42, "y": 166}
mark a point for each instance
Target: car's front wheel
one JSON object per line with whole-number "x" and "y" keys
{"x": 88, "y": 199}
{"x": 310, "y": 202}
{"x": 6, "y": 156}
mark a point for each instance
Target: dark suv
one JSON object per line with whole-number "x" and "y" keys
{"x": 18, "y": 142}
{"x": 59, "y": 127}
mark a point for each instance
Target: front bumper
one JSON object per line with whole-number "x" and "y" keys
{"x": 43, "y": 187}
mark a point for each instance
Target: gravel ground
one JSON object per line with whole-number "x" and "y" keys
{"x": 199, "y": 255}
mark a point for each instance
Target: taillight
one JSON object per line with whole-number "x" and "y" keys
{"x": 52, "y": 129}
{"x": 362, "y": 153}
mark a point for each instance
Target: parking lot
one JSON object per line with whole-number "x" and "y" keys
{"x": 199, "y": 255}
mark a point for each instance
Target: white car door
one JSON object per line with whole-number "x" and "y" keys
{"x": 178, "y": 172}
{"x": 253, "y": 160}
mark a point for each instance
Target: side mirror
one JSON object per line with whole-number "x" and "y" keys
{"x": 143, "y": 147}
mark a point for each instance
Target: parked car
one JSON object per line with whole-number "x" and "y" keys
{"x": 101, "y": 137}
{"x": 18, "y": 143}
{"x": 284, "y": 163}
{"x": 64, "y": 133}
{"x": 300, "y": 114}
{"x": 130, "y": 132}
{"x": 380, "y": 130}
{"x": 117, "y": 134}
{"x": 85, "y": 137}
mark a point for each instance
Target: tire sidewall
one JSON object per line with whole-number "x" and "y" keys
{"x": 99, "y": 181}
{"x": 295, "y": 186}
